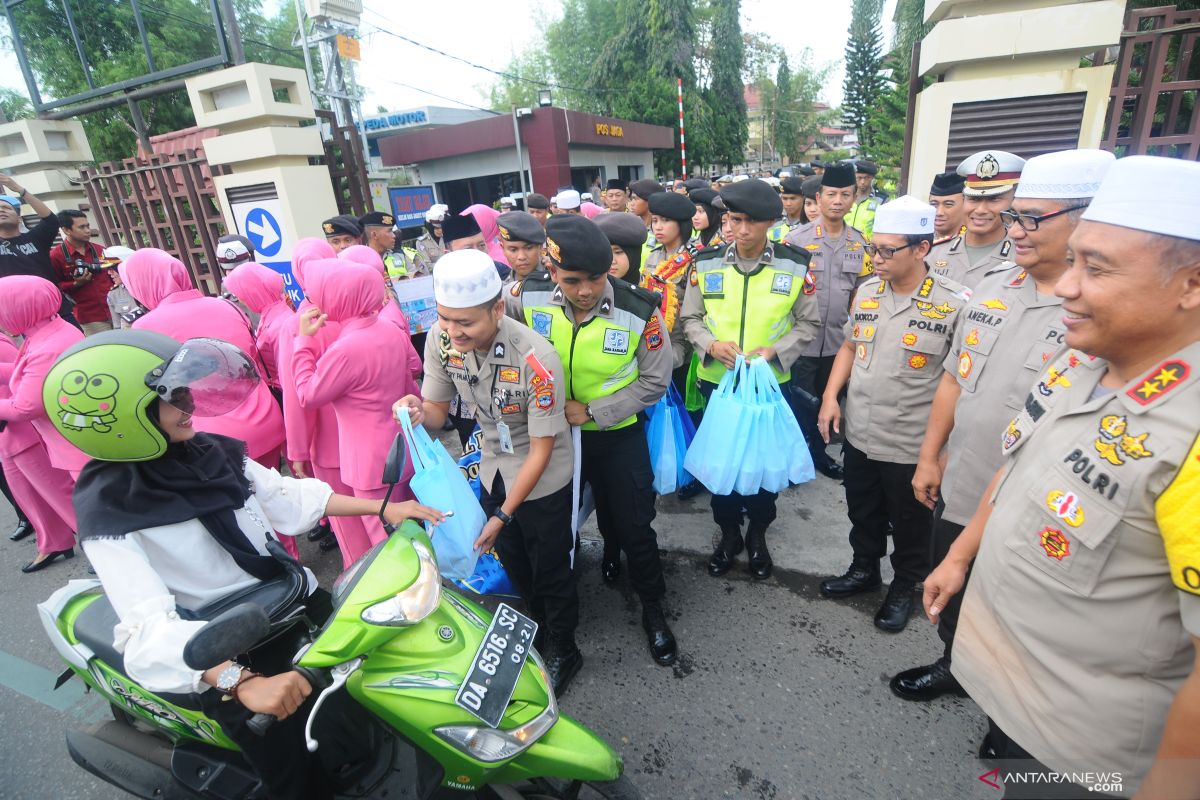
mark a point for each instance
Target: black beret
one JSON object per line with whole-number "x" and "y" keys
{"x": 805, "y": 172}
{"x": 459, "y": 226}
{"x": 869, "y": 167}
{"x": 576, "y": 244}
{"x": 520, "y": 226}
{"x": 696, "y": 183}
{"x": 377, "y": 218}
{"x": 756, "y": 199}
{"x": 341, "y": 225}
{"x": 947, "y": 183}
{"x": 536, "y": 200}
{"x": 672, "y": 205}
{"x": 838, "y": 176}
{"x": 793, "y": 185}
{"x": 705, "y": 196}
{"x": 622, "y": 228}
{"x": 811, "y": 186}
{"x": 645, "y": 187}
{"x": 818, "y": 163}
{"x": 616, "y": 183}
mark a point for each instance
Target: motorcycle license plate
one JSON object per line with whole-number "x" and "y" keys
{"x": 497, "y": 666}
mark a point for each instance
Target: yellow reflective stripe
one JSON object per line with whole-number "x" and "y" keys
{"x": 1177, "y": 511}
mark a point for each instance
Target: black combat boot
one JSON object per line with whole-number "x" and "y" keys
{"x": 862, "y": 576}
{"x": 563, "y": 661}
{"x": 658, "y": 633}
{"x": 756, "y": 550}
{"x": 726, "y": 551}
{"x": 893, "y": 615}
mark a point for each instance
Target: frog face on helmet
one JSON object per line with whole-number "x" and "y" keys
{"x": 102, "y": 394}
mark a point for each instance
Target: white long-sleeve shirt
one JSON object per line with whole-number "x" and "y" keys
{"x": 149, "y": 572}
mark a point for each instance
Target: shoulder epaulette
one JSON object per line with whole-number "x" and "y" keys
{"x": 641, "y": 302}
{"x": 534, "y": 282}
{"x": 717, "y": 251}
{"x": 1005, "y": 267}
{"x": 797, "y": 253}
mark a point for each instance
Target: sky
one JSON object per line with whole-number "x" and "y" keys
{"x": 400, "y": 76}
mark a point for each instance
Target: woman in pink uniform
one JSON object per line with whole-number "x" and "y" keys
{"x": 39, "y": 463}
{"x": 312, "y": 433}
{"x": 161, "y": 283}
{"x": 485, "y": 217}
{"x": 361, "y": 254}
{"x": 359, "y": 374}
{"x": 261, "y": 290}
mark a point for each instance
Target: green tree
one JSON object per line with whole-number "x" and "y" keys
{"x": 14, "y": 106}
{"x": 725, "y": 98}
{"x": 864, "y": 57}
{"x": 888, "y": 117}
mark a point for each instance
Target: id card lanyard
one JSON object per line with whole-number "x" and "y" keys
{"x": 499, "y": 400}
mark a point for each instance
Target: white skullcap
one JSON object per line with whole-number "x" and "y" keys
{"x": 507, "y": 201}
{"x": 465, "y": 279}
{"x": 904, "y": 216}
{"x": 568, "y": 198}
{"x": 1064, "y": 175}
{"x": 739, "y": 178}
{"x": 117, "y": 252}
{"x": 437, "y": 212}
{"x": 1152, "y": 194}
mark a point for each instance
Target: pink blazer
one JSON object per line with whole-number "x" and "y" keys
{"x": 17, "y": 436}
{"x": 312, "y": 433}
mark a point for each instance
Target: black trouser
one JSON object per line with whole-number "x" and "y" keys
{"x": 879, "y": 493}
{"x": 944, "y": 534}
{"x": 536, "y": 552}
{"x": 12, "y": 501}
{"x": 1014, "y": 759}
{"x": 727, "y": 508}
{"x": 811, "y": 374}
{"x": 617, "y": 465}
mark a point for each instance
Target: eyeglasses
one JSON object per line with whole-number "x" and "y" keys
{"x": 886, "y": 252}
{"x": 1028, "y": 222}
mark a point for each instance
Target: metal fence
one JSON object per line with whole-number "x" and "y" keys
{"x": 346, "y": 162}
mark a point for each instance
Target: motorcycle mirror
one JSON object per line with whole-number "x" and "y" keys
{"x": 394, "y": 467}
{"x": 233, "y": 632}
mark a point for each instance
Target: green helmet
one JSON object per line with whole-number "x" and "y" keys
{"x": 99, "y": 392}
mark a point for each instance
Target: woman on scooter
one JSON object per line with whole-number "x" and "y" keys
{"x": 173, "y": 518}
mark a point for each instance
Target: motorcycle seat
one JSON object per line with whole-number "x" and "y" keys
{"x": 94, "y": 628}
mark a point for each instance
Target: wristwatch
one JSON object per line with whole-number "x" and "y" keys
{"x": 505, "y": 519}
{"x": 230, "y": 677}
{"x": 588, "y": 410}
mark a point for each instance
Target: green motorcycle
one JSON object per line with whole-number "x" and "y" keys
{"x": 457, "y": 699}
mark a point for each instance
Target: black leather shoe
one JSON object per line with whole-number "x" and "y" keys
{"x": 861, "y": 577}
{"x": 693, "y": 489}
{"x": 327, "y": 543}
{"x": 320, "y": 532}
{"x": 35, "y": 565}
{"x": 725, "y": 552}
{"x": 831, "y": 469}
{"x": 926, "y": 683}
{"x": 610, "y": 567}
{"x": 662, "y": 642}
{"x": 756, "y": 550}
{"x": 23, "y": 529}
{"x": 563, "y": 662}
{"x": 897, "y": 607}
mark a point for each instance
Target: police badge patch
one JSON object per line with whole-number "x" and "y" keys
{"x": 616, "y": 342}
{"x": 714, "y": 283}
{"x": 782, "y": 283}
{"x": 541, "y": 323}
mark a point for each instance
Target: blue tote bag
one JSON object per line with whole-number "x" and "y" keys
{"x": 785, "y": 459}
{"x": 438, "y": 483}
{"x": 716, "y": 454}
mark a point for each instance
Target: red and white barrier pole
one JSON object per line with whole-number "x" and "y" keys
{"x": 682, "y": 144}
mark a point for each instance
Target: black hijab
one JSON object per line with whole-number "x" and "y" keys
{"x": 202, "y": 478}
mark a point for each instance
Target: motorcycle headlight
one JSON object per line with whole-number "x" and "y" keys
{"x": 416, "y": 602}
{"x": 490, "y": 745}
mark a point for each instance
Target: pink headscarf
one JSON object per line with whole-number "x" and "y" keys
{"x": 308, "y": 250}
{"x": 26, "y": 300}
{"x": 361, "y": 254}
{"x": 151, "y": 274}
{"x": 257, "y": 286}
{"x": 590, "y": 210}
{"x": 485, "y": 217}
{"x": 344, "y": 290}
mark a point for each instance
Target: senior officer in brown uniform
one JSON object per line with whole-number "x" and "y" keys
{"x": 749, "y": 298}
{"x": 1080, "y": 631}
{"x": 612, "y": 339}
{"x": 839, "y": 261}
{"x": 900, "y": 331}
{"x": 1010, "y": 329}
{"x": 517, "y": 382}
{"x": 989, "y": 179}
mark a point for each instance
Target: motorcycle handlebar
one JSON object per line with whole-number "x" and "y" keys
{"x": 260, "y": 723}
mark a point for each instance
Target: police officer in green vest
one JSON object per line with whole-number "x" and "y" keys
{"x": 617, "y": 355}
{"x": 867, "y": 198}
{"x": 750, "y": 297}
{"x": 792, "y": 195}
{"x": 378, "y": 234}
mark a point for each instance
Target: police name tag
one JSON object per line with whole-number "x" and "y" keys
{"x": 782, "y": 283}
{"x": 505, "y": 436}
{"x": 616, "y": 342}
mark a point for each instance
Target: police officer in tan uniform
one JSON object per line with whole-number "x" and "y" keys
{"x": 990, "y": 177}
{"x": 429, "y": 244}
{"x": 1080, "y": 629}
{"x": 899, "y": 333}
{"x": 1010, "y": 329}
{"x": 949, "y": 205}
{"x": 839, "y": 260}
{"x": 516, "y": 380}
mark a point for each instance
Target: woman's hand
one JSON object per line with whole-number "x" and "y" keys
{"x": 409, "y": 404}
{"x": 943, "y": 583}
{"x": 278, "y": 695}
{"x": 830, "y": 416}
{"x": 311, "y": 321}
{"x": 395, "y": 513}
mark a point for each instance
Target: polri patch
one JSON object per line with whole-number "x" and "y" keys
{"x": 714, "y": 283}
{"x": 616, "y": 342}
{"x": 1162, "y": 379}
{"x": 542, "y": 322}
{"x": 782, "y": 284}
{"x": 653, "y": 334}
{"x": 511, "y": 408}
{"x": 510, "y": 375}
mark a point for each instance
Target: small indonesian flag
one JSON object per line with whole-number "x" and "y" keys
{"x": 538, "y": 367}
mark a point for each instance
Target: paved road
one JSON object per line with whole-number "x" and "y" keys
{"x": 778, "y": 694}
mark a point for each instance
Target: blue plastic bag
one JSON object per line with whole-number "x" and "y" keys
{"x": 489, "y": 577}
{"x": 716, "y": 454}
{"x": 669, "y": 431}
{"x": 784, "y": 456}
{"x": 438, "y": 483}
{"x": 472, "y": 454}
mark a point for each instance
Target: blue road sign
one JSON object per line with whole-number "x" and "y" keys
{"x": 263, "y": 232}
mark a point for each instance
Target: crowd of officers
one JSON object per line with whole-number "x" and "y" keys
{"x": 1011, "y": 354}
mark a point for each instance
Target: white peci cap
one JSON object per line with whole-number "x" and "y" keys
{"x": 117, "y": 253}
{"x": 568, "y": 198}
{"x": 904, "y": 216}
{"x": 1152, "y": 194}
{"x": 1065, "y": 174}
{"x": 465, "y": 279}
{"x": 437, "y": 212}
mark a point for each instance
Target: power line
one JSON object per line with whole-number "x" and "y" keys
{"x": 438, "y": 96}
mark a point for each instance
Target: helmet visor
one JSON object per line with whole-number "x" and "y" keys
{"x": 206, "y": 378}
